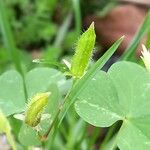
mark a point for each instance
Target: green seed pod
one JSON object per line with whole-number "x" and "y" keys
{"x": 35, "y": 109}
{"x": 83, "y": 52}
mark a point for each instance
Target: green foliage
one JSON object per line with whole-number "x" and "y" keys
{"x": 120, "y": 94}
{"x": 33, "y": 16}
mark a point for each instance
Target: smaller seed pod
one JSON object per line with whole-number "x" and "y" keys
{"x": 83, "y": 52}
{"x": 35, "y": 108}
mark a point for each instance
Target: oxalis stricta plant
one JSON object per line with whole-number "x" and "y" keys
{"x": 119, "y": 97}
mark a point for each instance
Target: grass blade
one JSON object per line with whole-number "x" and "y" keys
{"x": 130, "y": 51}
{"x": 8, "y": 37}
{"x": 77, "y": 12}
{"x": 63, "y": 30}
{"x": 79, "y": 86}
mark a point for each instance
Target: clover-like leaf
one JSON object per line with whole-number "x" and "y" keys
{"x": 123, "y": 93}
{"x": 40, "y": 79}
{"x": 12, "y": 98}
{"x": 28, "y": 137}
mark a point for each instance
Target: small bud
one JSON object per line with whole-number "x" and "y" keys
{"x": 35, "y": 109}
{"x": 83, "y": 52}
{"x": 146, "y": 58}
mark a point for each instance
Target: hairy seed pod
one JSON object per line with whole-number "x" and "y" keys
{"x": 83, "y": 52}
{"x": 35, "y": 109}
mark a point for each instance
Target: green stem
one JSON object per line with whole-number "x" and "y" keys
{"x": 82, "y": 137}
{"x": 63, "y": 30}
{"x": 55, "y": 121}
{"x": 114, "y": 144}
{"x": 94, "y": 137}
{"x": 148, "y": 40}
{"x": 78, "y": 130}
{"x": 108, "y": 135}
{"x": 77, "y": 12}
{"x": 45, "y": 136}
{"x": 63, "y": 132}
{"x": 80, "y": 84}
{"x": 51, "y": 139}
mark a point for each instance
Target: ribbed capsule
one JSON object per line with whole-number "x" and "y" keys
{"x": 35, "y": 109}
{"x": 83, "y": 52}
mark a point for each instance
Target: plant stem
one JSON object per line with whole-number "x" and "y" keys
{"x": 45, "y": 136}
{"x": 94, "y": 137}
{"x": 82, "y": 137}
{"x": 51, "y": 139}
{"x": 148, "y": 40}
{"x": 114, "y": 144}
{"x": 80, "y": 84}
{"x": 77, "y": 12}
{"x": 63, "y": 31}
{"x": 63, "y": 132}
{"x": 108, "y": 135}
{"x": 55, "y": 121}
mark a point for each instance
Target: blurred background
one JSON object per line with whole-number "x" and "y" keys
{"x": 49, "y": 29}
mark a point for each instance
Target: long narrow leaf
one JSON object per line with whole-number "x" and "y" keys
{"x": 63, "y": 30}
{"x": 130, "y": 51}
{"x": 77, "y": 12}
{"x": 8, "y": 37}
